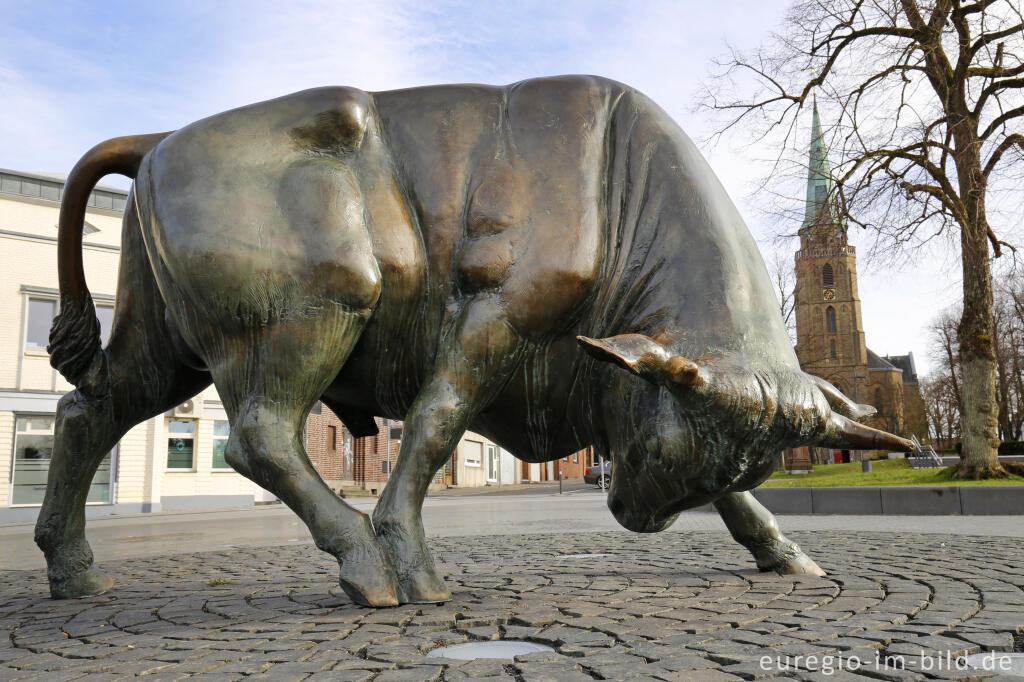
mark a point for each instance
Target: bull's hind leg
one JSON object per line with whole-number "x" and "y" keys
{"x": 756, "y": 528}
{"x": 269, "y": 382}
{"x": 473, "y": 360}
{"x": 137, "y": 377}
{"x": 87, "y": 427}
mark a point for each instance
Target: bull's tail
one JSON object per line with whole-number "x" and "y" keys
{"x": 75, "y": 335}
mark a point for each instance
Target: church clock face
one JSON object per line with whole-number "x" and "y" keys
{"x": 828, "y": 293}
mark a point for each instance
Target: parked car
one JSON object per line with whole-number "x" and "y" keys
{"x": 594, "y": 474}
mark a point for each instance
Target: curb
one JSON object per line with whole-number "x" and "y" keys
{"x": 896, "y": 500}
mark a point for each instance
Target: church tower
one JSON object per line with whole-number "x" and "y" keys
{"x": 830, "y": 338}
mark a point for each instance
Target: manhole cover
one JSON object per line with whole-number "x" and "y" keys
{"x": 497, "y": 649}
{"x": 998, "y": 662}
{"x": 582, "y": 556}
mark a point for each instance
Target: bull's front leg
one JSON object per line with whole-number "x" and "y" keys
{"x": 756, "y": 528}
{"x": 472, "y": 361}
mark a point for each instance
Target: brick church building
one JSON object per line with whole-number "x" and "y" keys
{"x": 830, "y": 335}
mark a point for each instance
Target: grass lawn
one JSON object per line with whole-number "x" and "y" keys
{"x": 884, "y": 472}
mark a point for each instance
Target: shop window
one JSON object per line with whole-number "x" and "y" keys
{"x": 181, "y": 444}
{"x": 221, "y": 433}
{"x": 33, "y": 445}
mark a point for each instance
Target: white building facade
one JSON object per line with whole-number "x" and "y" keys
{"x": 171, "y": 462}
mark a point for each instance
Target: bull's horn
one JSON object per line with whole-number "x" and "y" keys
{"x": 643, "y": 356}
{"x": 839, "y": 402}
{"x": 846, "y": 433}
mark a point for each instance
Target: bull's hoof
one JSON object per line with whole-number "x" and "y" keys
{"x": 788, "y": 559}
{"x": 366, "y": 576}
{"x": 88, "y": 583}
{"x": 418, "y": 581}
{"x": 423, "y": 587}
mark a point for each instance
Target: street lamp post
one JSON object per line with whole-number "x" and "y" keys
{"x": 388, "y": 448}
{"x": 856, "y": 399}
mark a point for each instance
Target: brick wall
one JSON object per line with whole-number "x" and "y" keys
{"x": 351, "y": 461}
{"x": 329, "y": 445}
{"x": 574, "y": 465}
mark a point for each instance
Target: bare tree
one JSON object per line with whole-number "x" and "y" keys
{"x": 942, "y": 390}
{"x": 1009, "y": 351}
{"x": 942, "y": 411}
{"x": 928, "y": 97}
{"x": 780, "y": 268}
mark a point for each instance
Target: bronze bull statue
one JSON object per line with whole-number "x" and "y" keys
{"x": 551, "y": 264}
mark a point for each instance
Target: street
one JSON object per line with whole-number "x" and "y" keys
{"x": 581, "y": 509}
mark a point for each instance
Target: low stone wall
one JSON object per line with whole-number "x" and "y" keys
{"x": 896, "y": 500}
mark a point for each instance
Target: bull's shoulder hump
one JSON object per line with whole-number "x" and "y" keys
{"x": 327, "y": 120}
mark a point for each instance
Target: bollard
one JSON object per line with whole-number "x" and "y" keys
{"x": 561, "y": 475}
{"x": 865, "y": 466}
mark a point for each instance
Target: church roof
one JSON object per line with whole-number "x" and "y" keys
{"x": 906, "y": 365}
{"x": 821, "y": 202}
{"x": 875, "y": 361}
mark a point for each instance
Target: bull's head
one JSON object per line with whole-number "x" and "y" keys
{"x": 698, "y": 429}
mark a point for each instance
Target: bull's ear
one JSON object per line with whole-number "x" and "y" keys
{"x": 643, "y": 356}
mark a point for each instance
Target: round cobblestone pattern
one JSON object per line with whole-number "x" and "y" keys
{"x": 671, "y": 606}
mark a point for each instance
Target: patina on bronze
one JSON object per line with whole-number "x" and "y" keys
{"x": 551, "y": 264}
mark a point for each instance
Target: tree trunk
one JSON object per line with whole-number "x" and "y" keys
{"x": 979, "y": 411}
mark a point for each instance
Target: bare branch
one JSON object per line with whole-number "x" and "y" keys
{"x": 1008, "y": 142}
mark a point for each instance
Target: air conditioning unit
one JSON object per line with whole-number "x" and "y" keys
{"x": 190, "y": 409}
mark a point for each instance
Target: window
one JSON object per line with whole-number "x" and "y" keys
{"x": 879, "y": 401}
{"x": 221, "y": 433}
{"x": 180, "y": 444}
{"x": 332, "y": 438}
{"x": 473, "y": 452}
{"x": 33, "y": 445}
{"x": 41, "y": 312}
{"x": 832, "y": 348}
{"x": 830, "y": 319}
{"x": 105, "y": 315}
{"x": 827, "y": 277}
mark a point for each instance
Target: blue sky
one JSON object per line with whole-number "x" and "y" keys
{"x": 74, "y": 73}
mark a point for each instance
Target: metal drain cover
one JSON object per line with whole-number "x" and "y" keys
{"x": 501, "y": 648}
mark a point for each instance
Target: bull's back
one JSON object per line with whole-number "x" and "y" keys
{"x": 508, "y": 184}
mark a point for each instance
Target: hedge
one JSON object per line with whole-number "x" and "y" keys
{"x": 1007, "y": 447}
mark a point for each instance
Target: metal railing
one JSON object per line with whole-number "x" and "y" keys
{"x": 924, "y": 456}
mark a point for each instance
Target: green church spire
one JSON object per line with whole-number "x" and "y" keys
{"x": 822, "y": 204}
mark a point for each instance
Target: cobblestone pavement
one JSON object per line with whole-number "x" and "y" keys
{"x": 659, "y": 607}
